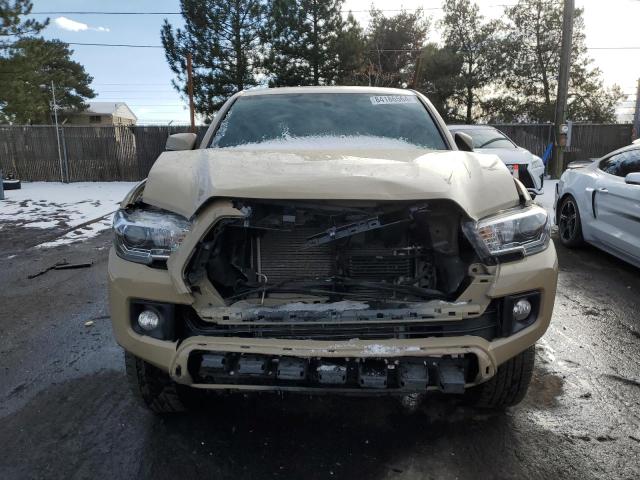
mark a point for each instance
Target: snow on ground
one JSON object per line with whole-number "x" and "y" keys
{"x": 547, "y": 199}
{"x": 67, "y": 205}
{"x": 63, "y": 205}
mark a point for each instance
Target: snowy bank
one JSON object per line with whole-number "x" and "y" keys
{"x": 63, "y": 205}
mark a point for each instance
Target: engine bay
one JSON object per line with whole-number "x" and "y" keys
{"x": 387, "y": 254}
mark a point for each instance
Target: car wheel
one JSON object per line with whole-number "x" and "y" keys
{"x": 508, "y": 386}
{"x": 569, "y": 224}
{"x": 155, "y": 388}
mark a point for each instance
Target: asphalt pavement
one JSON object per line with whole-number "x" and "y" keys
{"x": 66, "y": 410}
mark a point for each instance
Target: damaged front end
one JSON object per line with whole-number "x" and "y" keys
{"x": 330, "y": 262}
{"x": 392, "y": 296}
{"x": 336, "y": 273}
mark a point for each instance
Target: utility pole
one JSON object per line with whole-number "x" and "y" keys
{"x": 55, "y": 115}
{"x": 636, "y": 115}
{"x": 563, "y": 87}
{"x": 192, "y": 113}
{"x": 416, "y": 72}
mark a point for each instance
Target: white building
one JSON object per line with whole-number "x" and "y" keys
{"x": 103, "y": 113}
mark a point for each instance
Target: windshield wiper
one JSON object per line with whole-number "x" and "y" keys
{"x": 497, "y": 139}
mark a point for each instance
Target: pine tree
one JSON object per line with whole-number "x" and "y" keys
{"x": 33, "y": 63}
{"x": 475, "y": 42}
{"x": 351, "y": 48}
{"x": 13, "y": 25}
{"x": 393, "y": 45}
{"x": 223, "y": 37}
{"x": 303, "y": 42}
{"x": 440, "y": 79}
{"x": 534, "y": 35}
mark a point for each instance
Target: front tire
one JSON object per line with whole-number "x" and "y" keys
{"x": 508, "y": 386}
{"x": 154, "y": 387}
{"x": 569, "y": 223}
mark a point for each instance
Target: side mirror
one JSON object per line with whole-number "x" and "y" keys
{"x": 633, "y": 178}
{"x": 463, "y": 141}
{"x": 180, "y": 141}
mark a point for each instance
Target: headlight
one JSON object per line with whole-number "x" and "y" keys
{"x": 148, "y": 236}
{"x": 518, "y": 233}
{"x": 536, "y": 162}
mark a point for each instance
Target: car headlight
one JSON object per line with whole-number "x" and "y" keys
{"x": 512, "y": 234}
{"x": 536, "y": 162}
{"x": 148, "y": 236}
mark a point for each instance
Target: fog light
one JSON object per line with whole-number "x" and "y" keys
{"x": 521, "y": 309}
{"x": 148, "y": 319}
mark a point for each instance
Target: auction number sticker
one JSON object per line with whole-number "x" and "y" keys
{"x": 392, "y": 99}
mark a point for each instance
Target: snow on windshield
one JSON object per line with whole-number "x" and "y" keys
{"x": 327, "y": 142}
{"x": 327, "y": 120}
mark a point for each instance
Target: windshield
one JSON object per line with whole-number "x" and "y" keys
{"x": 319, "y": 120}
{"x": 488, "y": 138}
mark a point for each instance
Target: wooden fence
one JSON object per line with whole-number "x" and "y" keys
{"x": 588, "y": 140}
{"x": 107, "y": 153}
{"x": 128, "y": 152}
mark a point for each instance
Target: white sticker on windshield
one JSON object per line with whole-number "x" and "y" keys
{"x": 392, "y": 99}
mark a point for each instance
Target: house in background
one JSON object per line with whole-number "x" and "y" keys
{"x": 103, "y": 113}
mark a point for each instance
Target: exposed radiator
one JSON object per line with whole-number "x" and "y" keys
{"x": 282, "y": 256}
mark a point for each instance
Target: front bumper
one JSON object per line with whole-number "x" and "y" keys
{"x": 531, "y": 178}
{"x": 129, "y": 281}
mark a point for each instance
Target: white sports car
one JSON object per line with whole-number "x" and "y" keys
{"x": 599, "y": 203}
{"x": 523, "y": 165}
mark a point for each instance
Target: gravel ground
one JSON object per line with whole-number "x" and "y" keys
{"x": 66, "y": 411}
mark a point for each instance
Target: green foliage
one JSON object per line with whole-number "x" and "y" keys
{"x": 303, "y": 41}
{"x": 476, "y": 43}
{"x": 440, "y": 79}
{"x": 223, "y": 37}
{"x": 393, "y": 45}
{"x": 533, "y": 32}
{"x": 31, "y": 66}
{"x": 13, "y": 26}
{"x": 351, "y": 46}
{"x": 499, "y": 70}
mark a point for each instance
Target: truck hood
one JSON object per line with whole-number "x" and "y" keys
{"x": 182, "y": 181}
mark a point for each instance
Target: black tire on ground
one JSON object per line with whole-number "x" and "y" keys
{"x": 508, "y": 386}
{"x": 569, "y": 223}
{"x": 11, "y": 184}
{"x": 153, "y": 386}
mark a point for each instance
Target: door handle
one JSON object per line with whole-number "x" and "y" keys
{"x": 603, "y": 190}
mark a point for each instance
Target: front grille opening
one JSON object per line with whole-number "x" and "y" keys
{"x": 335, "y": 251}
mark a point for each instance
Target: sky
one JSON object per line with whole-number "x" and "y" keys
{"x": 141, "y": 77}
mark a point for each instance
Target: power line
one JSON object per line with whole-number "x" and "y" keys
{"x": 102, "y": 12}
{"x": 129, "y": 45}
{"x": 613, "y": 48}
{"x": 391, "y": 50}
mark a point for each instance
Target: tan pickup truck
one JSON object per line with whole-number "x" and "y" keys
{"x": 330, "y": 239}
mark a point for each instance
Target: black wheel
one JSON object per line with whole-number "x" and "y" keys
{"x": 569, "y": 224}
{"x": 508, "y": 386}
{"x": 156, "y": 389}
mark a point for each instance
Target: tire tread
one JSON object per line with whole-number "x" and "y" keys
{"x": 153, "y": 386}
{"x": 508, "y": 386}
